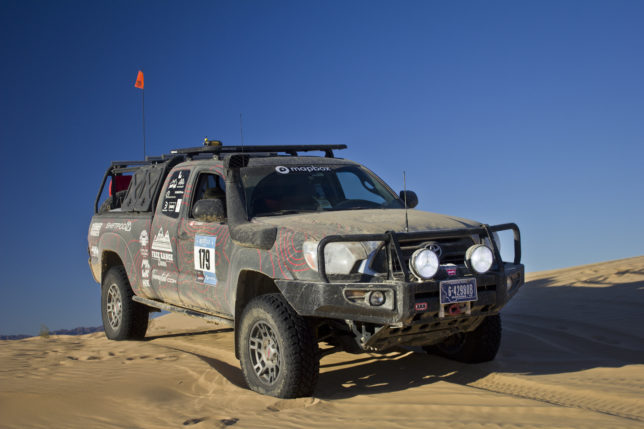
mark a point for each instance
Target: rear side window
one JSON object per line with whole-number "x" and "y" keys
{"x": 173, "y": 196}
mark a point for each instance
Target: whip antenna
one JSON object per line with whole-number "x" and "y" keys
{"x": 241, "y": 131}
{"x": 405, "y": 198}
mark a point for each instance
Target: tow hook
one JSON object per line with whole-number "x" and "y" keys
{"x": 454, "y": 309}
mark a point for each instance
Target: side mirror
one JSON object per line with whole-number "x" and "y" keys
{"x": 209, "y": 210}
{"x": 412, "y": 198}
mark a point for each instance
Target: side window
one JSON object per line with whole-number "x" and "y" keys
{"x": 174, "y": 194}
{"x": 358, "y": 187}
{"x": 209, "y": 186}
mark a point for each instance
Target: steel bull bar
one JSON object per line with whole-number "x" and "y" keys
{"x": 392, "y": 241}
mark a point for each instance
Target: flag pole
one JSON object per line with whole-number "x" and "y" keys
{"x": 143, "y": 111}
{"x": 139, "y": 83}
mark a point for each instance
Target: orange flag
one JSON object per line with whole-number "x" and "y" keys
{"x": 139, "y": 80}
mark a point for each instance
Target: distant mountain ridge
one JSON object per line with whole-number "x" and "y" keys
{"x": 82, "y": 330}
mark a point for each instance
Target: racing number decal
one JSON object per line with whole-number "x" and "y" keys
{"x": 205, "y": 257}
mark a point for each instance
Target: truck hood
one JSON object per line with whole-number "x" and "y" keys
{"x": 373, "y": 221}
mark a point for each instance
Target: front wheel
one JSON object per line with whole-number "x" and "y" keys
{"x": 123, "y": 319}
{"x": 479, "y": 345}
{"x": 278, "y": 351}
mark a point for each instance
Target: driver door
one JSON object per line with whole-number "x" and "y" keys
{"x": 204, "y": 249}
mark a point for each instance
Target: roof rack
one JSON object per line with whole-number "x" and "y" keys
{"x": 292, "y": 150}
{"x": 210, "y": 147}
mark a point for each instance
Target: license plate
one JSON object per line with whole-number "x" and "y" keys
{"x": 459, "y": 290}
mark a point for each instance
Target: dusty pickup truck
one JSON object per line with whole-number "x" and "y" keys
{"x": 302, "y": 255}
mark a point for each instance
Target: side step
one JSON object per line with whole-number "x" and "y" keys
{"x": 175, "y": 309}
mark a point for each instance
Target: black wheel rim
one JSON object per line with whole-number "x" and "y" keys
{"x": 264, "y": 352}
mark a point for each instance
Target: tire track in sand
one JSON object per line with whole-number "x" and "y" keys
{"x": 600, "y": 402}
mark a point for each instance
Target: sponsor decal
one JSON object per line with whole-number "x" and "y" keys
{"x": 143, "y": 241}
{"x": 204, "y": 252}
{"x": 162, "y": 258}
{"x": 172, "y": 206}
{"x": 304, "y": 169}
{"x": 451, "y": 270}
{"x": 145, "y": 268}
{"x": 420, "y": 306}
{"x": 119, "y": 226}
{"x": 162, "y": 248}
{"x": 178, "y": 182}
{"x": 282, "y": 170}
{"x": 163, "y": 277}
{"x": 95, "y": 229}
{"x": 146, "y": 282}
{"x": 174, "y": 193}
{"x": 162, "y": 241}
{"x": 143, "y": 238}
{"x": 94, "y": 252}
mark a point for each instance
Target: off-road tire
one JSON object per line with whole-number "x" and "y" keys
{"x": 123, "y": 319}
{"x": 477, "y": 346}
{"x": 273, "y": 334}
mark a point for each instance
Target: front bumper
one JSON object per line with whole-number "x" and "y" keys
{"x": 406, "y": 302}
{"x": 411, "y": 313}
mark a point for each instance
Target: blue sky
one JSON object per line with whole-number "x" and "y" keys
{"x": 523, "y": 111}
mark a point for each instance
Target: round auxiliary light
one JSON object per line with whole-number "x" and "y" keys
{"x": 479, "y": 258}
{"x": 424, "y": 264}
{"x": 376, "y": 298}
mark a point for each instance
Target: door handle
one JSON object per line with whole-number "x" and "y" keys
{"x": 183, "y": 235}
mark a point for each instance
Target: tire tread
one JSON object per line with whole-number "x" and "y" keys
{"x": 300, "y": 348}
{"x": 135, "y": 316}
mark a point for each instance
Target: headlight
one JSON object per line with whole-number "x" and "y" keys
{"x": 479, "y": 258}
{"x": 340, "y": 257}
{"x": 424, "y": 264}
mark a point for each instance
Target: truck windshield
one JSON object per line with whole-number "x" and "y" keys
{"x": 275, "y": 190}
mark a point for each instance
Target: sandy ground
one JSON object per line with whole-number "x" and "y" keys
{"x": 572, "y": 356}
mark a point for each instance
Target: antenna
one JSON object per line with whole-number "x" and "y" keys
{"x": 405, "y": 195}
{"x": 241, "y": 131}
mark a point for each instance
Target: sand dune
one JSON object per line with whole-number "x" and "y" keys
{"x": 572, "y": 356}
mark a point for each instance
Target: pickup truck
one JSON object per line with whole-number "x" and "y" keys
{"x": 302, "y": 255}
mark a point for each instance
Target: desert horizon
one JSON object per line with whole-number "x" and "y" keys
{"x": 572, "y": 355}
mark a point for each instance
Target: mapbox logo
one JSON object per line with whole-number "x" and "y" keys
{"x": 301, "y": 169}
{"x": 282, "y": 170}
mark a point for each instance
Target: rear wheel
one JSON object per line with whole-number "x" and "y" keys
{"x": 479, "y": 345}
{"x": 278, "y": 351}
{"x": 123, "y": 319}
